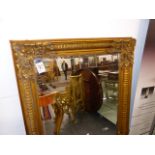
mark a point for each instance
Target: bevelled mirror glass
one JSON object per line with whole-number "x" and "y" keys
{"x": 75, "y": 86}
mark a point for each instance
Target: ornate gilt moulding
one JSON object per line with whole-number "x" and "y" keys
{"x": 24, "y": 52}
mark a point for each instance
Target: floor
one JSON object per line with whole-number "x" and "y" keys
{"x": 109, "y": 110}
{"x": 86, "y": 124}
{"x": 101, "y": 123}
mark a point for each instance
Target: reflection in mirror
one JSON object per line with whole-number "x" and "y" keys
{"x": 78, "y": 95}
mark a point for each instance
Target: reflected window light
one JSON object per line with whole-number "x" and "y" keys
{"x": 81, "y": 60}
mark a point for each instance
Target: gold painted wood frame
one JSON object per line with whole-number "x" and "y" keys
{"x": 24, "y": 52}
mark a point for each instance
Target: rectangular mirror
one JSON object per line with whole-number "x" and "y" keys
{"x": 75, "y": 86}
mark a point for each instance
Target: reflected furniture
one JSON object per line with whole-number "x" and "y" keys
{"x": 109, "y": 82}
{"x": 44, "y": 101}
{"x": 92, "y": 89}
{"x": 69, "y": 101}
{"x": 111, "y": 89}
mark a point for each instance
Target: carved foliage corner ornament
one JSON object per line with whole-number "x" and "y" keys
{"x": 25, "y": 55}
{"x": 126, "y": 55}
{"x": 23, "y": 62}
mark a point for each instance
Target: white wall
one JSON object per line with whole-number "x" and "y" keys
{"x": 141, "y": 37}
{"x": 144, "y": 108}
{"x": 25, "y": 21}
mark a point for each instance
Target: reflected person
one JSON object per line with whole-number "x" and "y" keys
{"x": 64, "y": 67}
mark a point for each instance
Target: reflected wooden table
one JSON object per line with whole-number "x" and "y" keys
{"x": 44, "y": 101}
{"x": 64, "y": 100}
{"x": 50, "y": 99}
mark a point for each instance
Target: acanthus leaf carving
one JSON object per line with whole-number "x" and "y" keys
{"x": 126, "y": 55}
{"x": 25, "y": 55}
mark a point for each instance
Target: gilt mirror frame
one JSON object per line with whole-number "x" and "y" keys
{"x": 25, "y": 51}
